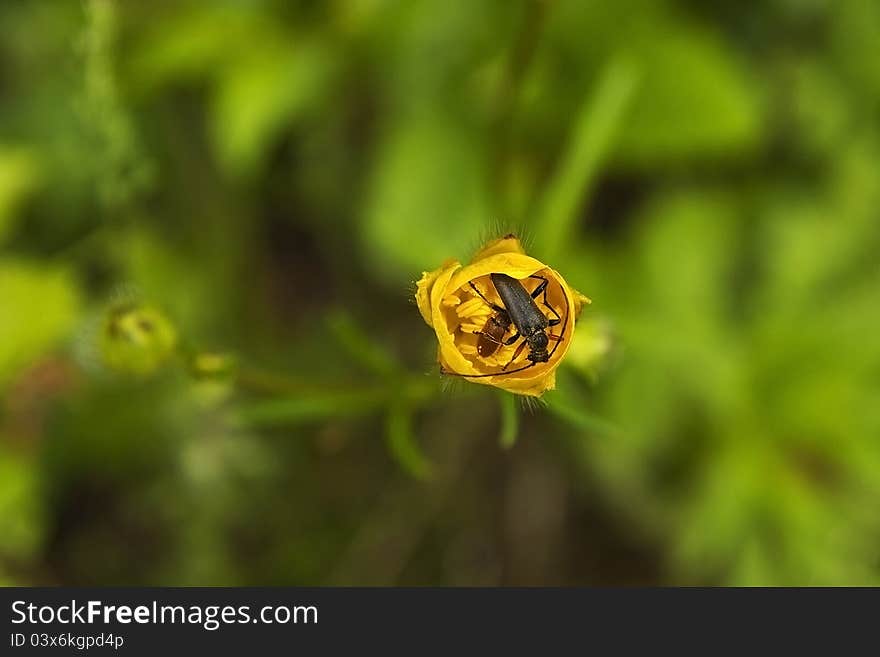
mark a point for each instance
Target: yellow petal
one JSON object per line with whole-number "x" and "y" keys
{"x": 426, "y": 284}
{"x": 507, "y": 244}
{"x": 517, "y": 265}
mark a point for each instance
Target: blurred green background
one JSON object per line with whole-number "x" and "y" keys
{"x": 212, "y": 215}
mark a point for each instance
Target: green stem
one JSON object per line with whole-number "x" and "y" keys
{"x": 518, "y": 62}
{"x": 591, "y": 140}
{"x": 308, "y": 403}
{"x": 509, "y": 420}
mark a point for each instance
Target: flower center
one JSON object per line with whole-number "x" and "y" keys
{"x": 479, "y": 332}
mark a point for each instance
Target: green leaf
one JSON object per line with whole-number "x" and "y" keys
{"x": 569, "y": 406}
{"x": 362, "y": 348}
{"x": 39, "y": 308}
{"x": 427, "y": 195}
{"x": 20, "y": 507}
{"x": 696, "y": 101}
{"x": 191, "y": 44}
{"x": 593, "y": 134}
{"x": 262, "y": 94}
{"x": 403, "y": 445}
{"x": 18, "y": 178}
{"x": 309, "y": 407}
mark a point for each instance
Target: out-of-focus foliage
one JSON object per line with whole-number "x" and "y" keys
{"x": 40, "y": 308}
{"x": 212, "y": 215}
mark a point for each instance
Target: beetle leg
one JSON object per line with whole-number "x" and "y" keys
{"x": 542, "y": 288}
{"x": 493, "y": 306}
{"x": 512, "y": 339}
{"x": 515, "y": 355}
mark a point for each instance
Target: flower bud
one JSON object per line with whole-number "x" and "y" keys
{"x": 137, "y": 339}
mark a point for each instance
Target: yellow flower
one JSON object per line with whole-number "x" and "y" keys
{"x": 458, "y": 314}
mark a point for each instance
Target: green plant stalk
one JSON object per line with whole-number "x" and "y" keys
{"x": 592, "y": 138}
{"x": 509, "y": 420}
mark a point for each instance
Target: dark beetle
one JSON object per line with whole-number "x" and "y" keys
{"x": 520, "y": 310}
{"x": 492, "y": 335}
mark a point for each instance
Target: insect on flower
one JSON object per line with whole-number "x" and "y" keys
{"x": 521, "y": 310}
{"x": 474, "y": 308}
